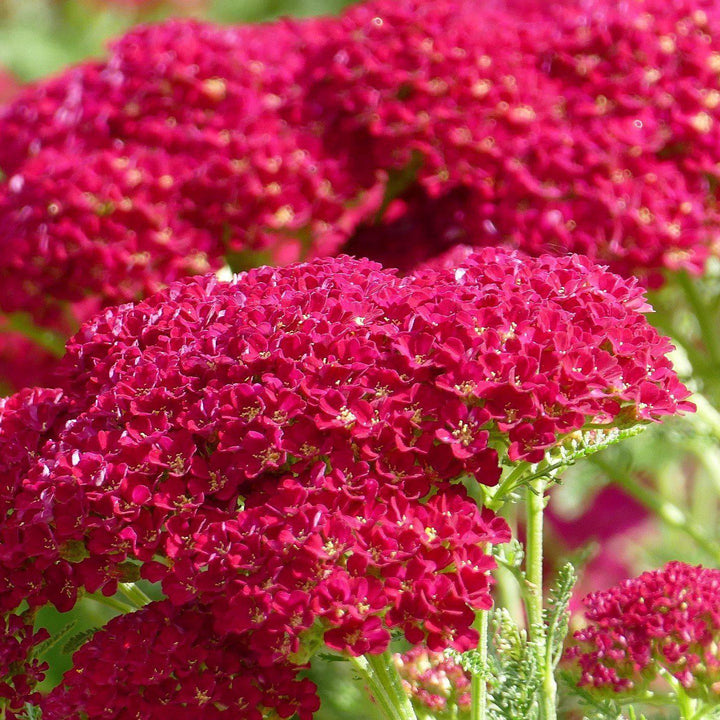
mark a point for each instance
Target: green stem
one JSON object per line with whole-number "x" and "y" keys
{"x": 507, "y": 485}
{"x": 383, "y": 681}
{"x": 668, "y": 512}
{"x": 111, "y": 602}
{"x": 687, "y": 706}
{"x": 136, "y": 596}
{"x": 702, "y": 315}
{"x": 478, "y": 709}
{"x": 534, "y": 508}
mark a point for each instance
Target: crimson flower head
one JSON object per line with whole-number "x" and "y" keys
{"x": 164, "y": 662}
{"x": 287, "y": 447}
{"x": 664, "y": 623}
{"x": 586, "y": 127}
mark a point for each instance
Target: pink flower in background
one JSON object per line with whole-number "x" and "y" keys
{"x": 611, "y": 512}
{"x": 434, "y": 682}
{"x": 663, "y": 621}
{"x": 616, "y": 522}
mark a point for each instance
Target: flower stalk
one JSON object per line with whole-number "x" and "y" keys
{"x": 385, "y": 685}
{"x": 537, "y": 632}
{"x": 478, "y": 690}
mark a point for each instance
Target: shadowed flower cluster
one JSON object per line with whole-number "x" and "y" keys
{"x": 581, "y": 127}
{"x": 287, "y": 447}
{"x": 19, "y": 671}
{"x": 664, "y": 623}
{"x": 162, "y": 662}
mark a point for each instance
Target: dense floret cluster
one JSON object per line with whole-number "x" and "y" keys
{"x": 396, "y": 131}
{"x": 116, "y": 231}
{"x": 435, "y": 682}
{"x": 162, "y": 662}
{"x": 664, "y": 621}
{"x": 586, "y": 127}
{"x": 234, "y": 177}
{"x": 19, "y": 671}
{"x": 334, "y": 405}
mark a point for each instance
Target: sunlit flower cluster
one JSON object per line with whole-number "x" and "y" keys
{"x": 286, "y": 447}
{"x": 584, "y": 127}
{"x": 664, "y": 623}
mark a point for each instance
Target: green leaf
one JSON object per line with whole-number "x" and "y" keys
{"x": 557, "y": 614}
{"x": 511, "y": 670}
{"x": 54, "y": 640}
{"x": 78, "y": 640}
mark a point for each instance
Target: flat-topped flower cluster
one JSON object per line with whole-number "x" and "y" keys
{"x": 395, "y": 131}
{"x": 289, "y": 449}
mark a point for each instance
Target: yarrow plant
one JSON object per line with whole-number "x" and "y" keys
{"x": 395, "y": 131}
{"x": 290, "y": 467}
{"x": 165, "y": 659}
{"x": 297, "y": 450}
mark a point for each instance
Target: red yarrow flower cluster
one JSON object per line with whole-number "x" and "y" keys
{"x": 235, "y": 178}
{"x": 19, "y": 671}
{"x": 665, "y": 621}
{"x": 116, "y": 231}
{"x": 287, "y": 447}
{"x": 588, "y": 128}
{"x": 584, "y": 127}
{"x": 435, "y": 682}
{"x": 164, "y": 662}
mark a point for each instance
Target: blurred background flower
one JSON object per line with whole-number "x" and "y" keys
{"x": 39, "y": 37}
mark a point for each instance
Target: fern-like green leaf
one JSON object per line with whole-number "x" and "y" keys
{"x": 78, "y": 640}
{"x": 54, "y": 640}
{"x": 557, "y": 614}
